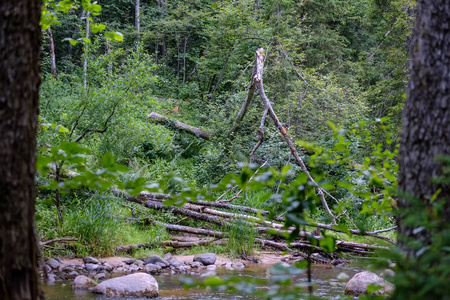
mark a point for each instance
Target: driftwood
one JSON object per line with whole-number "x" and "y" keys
{"x": 159, "y": 119}
{"x": 128, "y": 248}
{"x": 58, "y": 240}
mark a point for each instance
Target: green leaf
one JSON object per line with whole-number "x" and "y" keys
{"x": 328, "y": 244}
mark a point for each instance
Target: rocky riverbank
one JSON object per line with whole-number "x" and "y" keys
{"x": 57, "y": 269}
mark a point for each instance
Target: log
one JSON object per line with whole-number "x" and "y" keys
{"x": 192, "y": 230}
{"x": 178, "y": 244}
{"x": 59, "y": 240}
{"x": 186, "y": 212}
{"x": 128, "y": 248}
{"x": 159, "y": 119}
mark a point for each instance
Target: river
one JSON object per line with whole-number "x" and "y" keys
{"x": 324, "y": 277}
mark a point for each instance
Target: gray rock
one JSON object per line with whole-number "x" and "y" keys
{"x": 53, "y": 263}
{"x": 100, "y": 276}
{"x": 196, "y": 264}
{"x": 206, "y": 258}
{"x": 48, "y": 269}
{"x": 168, "y": 256}
{"x": 139, "y": 262}
{"x": 72, "y": 275}
{"x": 51, "y": 277}
{"x": 154, "y": 259}
{"x": 175, "y": 262}
{"x": 240, "y": 265}
{"x": 83, "y": 283}
{"x": 134, "y": 268}
{"x": 129, "y": 261}
{"x": 343, "y": 277}
{"x": 359, "y": 283}
{"x": 68, "y": 268}
{"x": 92, "y": 267}
{"x": 152, "y": 268}
{"x": 162, "y": 265}
{"x": 59, "y": 260}
{"x": 90, "y": 260}
{"x": 211, "y": 267}
{"x": 182, "y": 268}
{"x": 108, "y": 267}
{"x": 229, "y": 266}
{"x": 134, "y": 285}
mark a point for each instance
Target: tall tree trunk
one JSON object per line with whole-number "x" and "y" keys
{"x": 20, "y": 39}
{"x": 138, "y": 20}
{"x": 426, "y": 116}
{"x": 86, "y": 52}
{"x": 184, "y": 58}
{"x": 110, "y": 63}
{"x": 52, "y": 52}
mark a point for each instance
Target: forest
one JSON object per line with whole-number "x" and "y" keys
{"x": 238, "y": 127}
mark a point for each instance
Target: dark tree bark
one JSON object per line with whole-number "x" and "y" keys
{"x": 20, "y": 39}
{"x": 426, "y": 116}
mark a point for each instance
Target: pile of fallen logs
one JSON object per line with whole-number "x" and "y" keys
{"x": 225, "y": 214}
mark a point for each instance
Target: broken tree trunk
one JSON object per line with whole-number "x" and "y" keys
{"x": 259, "y": 86}
{"x": 159, "y": 119}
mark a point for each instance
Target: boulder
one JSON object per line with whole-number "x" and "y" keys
{"x": 206, "y": 258}
{"x": 134, "y": 285}
{"x": 359, "y": 283}
{"x": 53, "y": 263}
{"x": 90, "y": 260}
{"x": 154, "y": 259}
{"x": 82, "y": 282}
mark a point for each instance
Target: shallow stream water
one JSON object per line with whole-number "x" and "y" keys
{"x": 170, "y": 288}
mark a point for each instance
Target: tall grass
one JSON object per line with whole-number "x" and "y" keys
{"x": 241, "y": 238}
{"x": 94, "y": 224}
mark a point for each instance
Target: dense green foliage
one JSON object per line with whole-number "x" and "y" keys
{"x": 335, "y": 72}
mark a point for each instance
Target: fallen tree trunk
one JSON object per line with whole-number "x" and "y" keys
{"x": 58, "y": 240}
{"x": 128, "y": 248}
{"x": 192, "y": 230}
{"x": 159, "y": 119}
{"x": 178, "y": 244}
{"x": 186, "y": 212}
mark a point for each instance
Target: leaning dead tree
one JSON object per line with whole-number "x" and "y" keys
{"x": 159, "y": 119}
{"x": 257, "y": 83}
